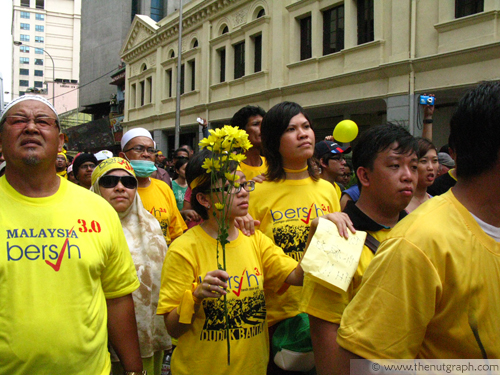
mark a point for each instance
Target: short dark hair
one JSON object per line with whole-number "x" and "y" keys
{"x": 240, "y": 118}
{"x": 195, "y": 169}
{"x": 273, "y": 126}
{"x": 475, "y": 130}
{"x": 179, "y": 163}
{"x": 424, "y": 145}
{"x": 179, "y": 150}
{"x": 378, "y": 139}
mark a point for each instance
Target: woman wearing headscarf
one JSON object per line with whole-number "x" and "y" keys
{"x": 114, "y": 180}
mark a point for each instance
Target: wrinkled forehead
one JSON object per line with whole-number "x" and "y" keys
{"x": 31, "y": 107}
{"x": 139, "y": 141}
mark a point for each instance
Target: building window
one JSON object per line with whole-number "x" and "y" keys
{"x": 25, "y": 26}
{"x": 182, "y": 79}
{"x": 25, "y": 15}
{"x": 25, "y": 38}
{"x": 222, "y": 63}
{"x": 467, "y": 7}
{"x": 38, "y": 84}
{"x": 40, "y": 4}
{"x": 39, "y": 39}
{"x": 24, "y": 60}
{"x": 24, "y": 82}
{"x": 195, "y": 43}
{"x": 305, "y": 38}
{"x": 168, "y": 75}
{"x": 40, "y": 28}
{"x": 40, "y": 17}
{"x": 365, "y": 21}
{"x": 38, "y": 73}
{"x": 142, "y": 88}
{"x": 135, "y": 8}
{"x": 38, "y": 62}
{"x": 132, "y": 96}
{"x": 225, "y": 30}
{"x": 172, "y": 54}
{"x": 157, "y": 10}
{"x": 25, "y": 3}
{"x": 257, "y": 63}
{"x": 24, "y": 72}
{"x": 239, "y": 60}
{"x": 192, "y": 70}
{"x": 149, "y": 90}
{"x": 333, "y": 30}
{"x": 24, "y": 49}
{"x": 39, "y": 51}
{"x": 261, "y": 13}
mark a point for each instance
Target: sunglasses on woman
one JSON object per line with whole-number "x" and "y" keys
{"x": 109, "y": 182}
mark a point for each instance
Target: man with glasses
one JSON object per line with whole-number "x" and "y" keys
{"x": 83, "y": 166}
{"x": 66, "y": 272}
{"x": 331, "y": 162}
{"x": 61, "y": 165}
{"x": 157, "y": 197}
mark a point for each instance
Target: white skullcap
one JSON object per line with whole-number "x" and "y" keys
{"x": 103, "y": 155}
{"x": 28, "y": 97}
{"x": 134, "y": 133}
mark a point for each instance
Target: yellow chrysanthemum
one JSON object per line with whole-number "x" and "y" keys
{"x": 211, "y": 165}
{"x": 219, "y": 206}
{"x": 231, "y": 176}
{"x": 237, "y": 157}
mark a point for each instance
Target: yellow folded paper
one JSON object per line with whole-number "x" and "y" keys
{"x": 186, "y": 307}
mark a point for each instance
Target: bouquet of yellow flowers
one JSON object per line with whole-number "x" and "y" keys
{"x": 227, "y": 145}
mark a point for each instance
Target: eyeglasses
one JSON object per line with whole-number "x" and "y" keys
{"x": 140, "y": 149}
{"x": 109, "y": 182}
{"x": 87, "y": 166}
{"x": 231, "y": 189}
{"x": 41, "y": 122}
{"x": 337, "y": 158}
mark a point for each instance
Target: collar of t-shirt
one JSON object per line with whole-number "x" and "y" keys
{"x": 490, "y": 230}
{"x": 361, "y": 221}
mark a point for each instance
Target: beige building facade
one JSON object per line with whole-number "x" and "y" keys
{"x": 46, "y": 48}
{"x": 366, "y": 60}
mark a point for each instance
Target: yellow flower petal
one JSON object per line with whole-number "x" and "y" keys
{"x": 219, "y": 206}
{"x": 231, "y": 176}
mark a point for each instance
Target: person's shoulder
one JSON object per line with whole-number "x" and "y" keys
{"x": 159, "y": 185}
{"x": 188, "y": 242}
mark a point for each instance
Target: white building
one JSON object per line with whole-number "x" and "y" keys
{"x": 46, "y": 47}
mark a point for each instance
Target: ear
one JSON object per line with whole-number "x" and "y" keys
{"x": 61, "y": 142}
{"x": 122, "y": 155}
{"x": 322, "y": 163}
{"x": 363, "y": 176}
{"x": 203, "y": 200}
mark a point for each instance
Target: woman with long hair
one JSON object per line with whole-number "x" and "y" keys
{"x": 427, "y": 171}
{"x": 290, "y": 198}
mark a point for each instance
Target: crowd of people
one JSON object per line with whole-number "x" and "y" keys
{"x": 109, "y": 262}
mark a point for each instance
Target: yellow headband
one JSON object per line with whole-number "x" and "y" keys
{"x": 110, "y": 164}
{"x": 198, "y": 181}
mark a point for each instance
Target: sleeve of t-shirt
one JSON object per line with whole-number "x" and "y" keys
{"x": 177, "y": 225}
{"x": 277, "y": 265}
{"x": 388, "y": 317}
{"x": 119, "y": 276}
{"x": 327, "y": 304}
{"x": 177, "y": 276}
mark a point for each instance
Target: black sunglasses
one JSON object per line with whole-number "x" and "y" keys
{"x": 109, "y": 182}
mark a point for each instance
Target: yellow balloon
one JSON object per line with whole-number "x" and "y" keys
{"x": 345, "y": 131}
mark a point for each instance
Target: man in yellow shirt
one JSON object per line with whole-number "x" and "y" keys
{"x": 66, "y": 271}
{"x": 385, "y": 191}
{"x": 249, "y": 118}
{"x": 434, "y": 293}
{"x": 157, "y": 197}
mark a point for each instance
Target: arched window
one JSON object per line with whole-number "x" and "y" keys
{"x": 172, "y": 54}
{"x": 195, "y": 43}
{"x": 261, "y": 13}
{"x": 144, "y": 67}
{"x": 225, "y": 29}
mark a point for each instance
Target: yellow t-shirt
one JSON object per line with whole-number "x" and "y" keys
{"x": 253, "y": 263}
{"x": 158, "y": 198}
{"x": 250, "y": 171}
{"x": 60, "y": 258}
{"x": 285, "y": 210}
{"x": 326, "y": 304}
{"x": 427, "y": 289}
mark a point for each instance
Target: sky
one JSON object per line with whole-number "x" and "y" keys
{"x": 6, "y": 45}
